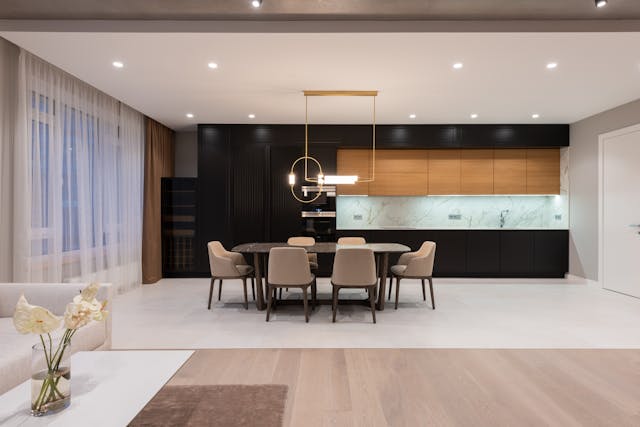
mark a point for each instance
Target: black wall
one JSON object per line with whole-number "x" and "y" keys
{"x": 243, "y": 193}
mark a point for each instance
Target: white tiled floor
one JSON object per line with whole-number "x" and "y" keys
{"x": 470, "y": 313}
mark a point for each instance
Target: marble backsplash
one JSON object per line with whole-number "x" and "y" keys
{"x": 452, "y": 212}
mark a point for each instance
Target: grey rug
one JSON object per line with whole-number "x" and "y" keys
{"x": 215, "y": 405}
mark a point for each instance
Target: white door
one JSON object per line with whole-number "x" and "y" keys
{"x": 621, "y": 211}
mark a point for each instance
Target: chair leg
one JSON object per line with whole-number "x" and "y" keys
{"x": 253, "y": 288}
{"x": 314, "y": 293}
{"x": 390, "y": 286}
{"x": 397, "y": 291}
{"x": 280, "y": 293}
{"x": 269, "y": 300}
{"x": 211, "y": 291}
{"x": 306, "y": 304}
{"x": 219, "y": 289}
{"x": 424, "y": 295}
{"x": 373, "y": 304}
{"x": 335, "y": 302}
{"x": 433, "y": 301}
{"x": 244, "y": 287}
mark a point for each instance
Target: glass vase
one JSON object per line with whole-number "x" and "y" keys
{"x": 50, "y": 379}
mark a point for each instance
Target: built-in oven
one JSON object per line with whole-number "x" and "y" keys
{"x": 318, "y": 218}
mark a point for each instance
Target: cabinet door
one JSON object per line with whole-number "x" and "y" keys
{"x": 483, "y": 252}
{"x": 354, "y": 162}
{"x": 510, "y": 171}
{"x": 400, "y": 173}
{"x": 551, "y": 256}
{"x": 444, "y": 171}
{"x": 476, "y": 171}
{"x": 543, "y": 171}
{"x": 516, "y": 253}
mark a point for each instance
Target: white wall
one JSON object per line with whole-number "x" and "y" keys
{"x": 186, "y": 157}
{"x": 583, "y": 184}
{"x": 8, "y": 95}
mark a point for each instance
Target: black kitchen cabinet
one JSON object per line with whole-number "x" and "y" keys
{"x": 516, "y": 253}
{"x": 550, "y": 252}
{"x": 483, "y": 252}
{"x": 285, "y": 210}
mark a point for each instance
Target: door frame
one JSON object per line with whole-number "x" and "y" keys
{"x": 602, "y": 138}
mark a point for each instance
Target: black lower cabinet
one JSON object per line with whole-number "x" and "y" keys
{"x": 516, "y": 253}
{"x": 551, "y": 252}
{"x": 485, "y": 253}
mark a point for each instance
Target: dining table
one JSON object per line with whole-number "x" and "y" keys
{"x": 260, "y": 252}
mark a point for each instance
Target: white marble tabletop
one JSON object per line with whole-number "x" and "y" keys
{"x": 108, "y": 388}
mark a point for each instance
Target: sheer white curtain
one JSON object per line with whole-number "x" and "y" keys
{"x": 78, "y": 181}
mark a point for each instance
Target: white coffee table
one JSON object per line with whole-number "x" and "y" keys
{"x": 108, "y": 388}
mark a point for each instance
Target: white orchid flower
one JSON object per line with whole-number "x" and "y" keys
{"x": 33, "y": 319}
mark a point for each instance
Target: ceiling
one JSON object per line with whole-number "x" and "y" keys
{"x": 317, "y": 9}
{"x": 504, "y": 78}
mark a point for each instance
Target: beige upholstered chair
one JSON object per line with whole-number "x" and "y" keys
{"x": 354, "y": 268}
{"x": 352, "y": 241}
{"x": 305, "y": 241}
{"x": 415, "y": 265}
{"x": 289, "y": 268}
{"x": 228, "y": 265}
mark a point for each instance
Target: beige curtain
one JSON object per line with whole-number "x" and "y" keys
{"x": 158, "y": 163}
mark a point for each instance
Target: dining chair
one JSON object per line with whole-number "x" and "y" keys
{"x": 352, "y": 241}
{"x": 228, "y": 265}
{"x": 354, "y": 268}
{"x": 415, "y": 265}
{"x": 289, "y": 268}
{"x": 304, "y": 241}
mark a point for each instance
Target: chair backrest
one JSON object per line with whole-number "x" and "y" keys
{"x": 354, "y": 267}
{"x": 421, "y": 265}
{"x": 289, "y": 266}
{"x": 219, "y": 263}
{"x": 352, "y": 241}
{"x": 301, "y": 241}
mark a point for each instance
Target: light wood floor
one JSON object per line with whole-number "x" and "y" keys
{"x": 436, "y": 387}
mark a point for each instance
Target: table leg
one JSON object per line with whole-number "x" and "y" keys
{"x": 260, "y": 290}
{"x": 383, "y": 281}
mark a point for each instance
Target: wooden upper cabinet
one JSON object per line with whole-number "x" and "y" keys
{"x": 400, "y": 173}
{"x": 452, "y": 171}
{"x": 444, "y": 171}
{"x": 476, "y": 171}
{"x": 543, "y": 171}
{"x": 510, "y": 171}
{"x": 354, "y": 162}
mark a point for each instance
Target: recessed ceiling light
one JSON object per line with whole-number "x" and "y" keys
{"x": 552, "y": 65}
{"x": 412, "y": 116}
{"x": 474, "y": 116}
{"x": 212, "y": 65}
{"x": 189, "y": 115}
{"x": 458, "y": 65}
{"x": 256, "y": 3}
{"x": 252, "y": 116}
{"x": 535, "y": 116}
{"x": 601, "y": 3}
{"x": 117, "y": 64}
